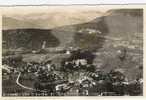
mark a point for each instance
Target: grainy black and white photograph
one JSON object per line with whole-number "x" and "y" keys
{"x": 72, "y": 51}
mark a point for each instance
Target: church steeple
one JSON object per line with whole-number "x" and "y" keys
{"x": 44, "y": 45}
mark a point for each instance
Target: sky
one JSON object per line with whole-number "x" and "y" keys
{"x": 49, "y": 16}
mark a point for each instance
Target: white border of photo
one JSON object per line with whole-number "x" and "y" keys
{"x": 67, "y": 2}
{"x": 82, "y": 98}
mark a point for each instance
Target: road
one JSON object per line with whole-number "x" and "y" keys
{"x": 25, "y": 87}
{"x": 18, "y": 83}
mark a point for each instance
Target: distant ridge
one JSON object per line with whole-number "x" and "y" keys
{"x": 119, "y": 23}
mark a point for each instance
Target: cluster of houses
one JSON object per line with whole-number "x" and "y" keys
{"x": 88, "y": 82}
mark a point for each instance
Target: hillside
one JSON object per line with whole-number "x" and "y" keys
{"x": 118, "y": 24}
{"x": 121, "y": 29}
{"x": 66, "y": 36}
{"x": 29, "y": 38}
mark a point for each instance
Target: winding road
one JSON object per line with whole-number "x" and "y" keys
{"x": 18, "y": 83}
{"x": 25, "y": 87}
